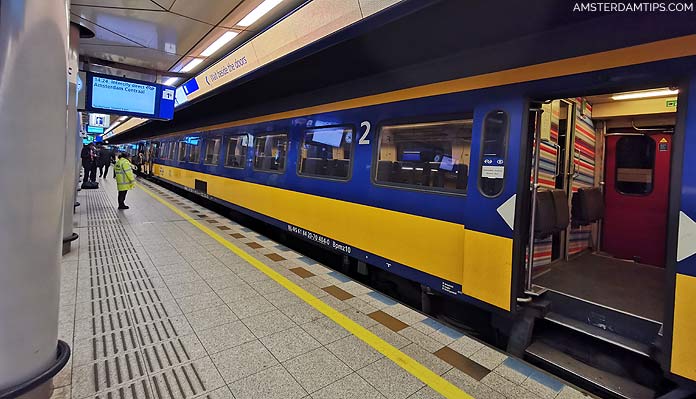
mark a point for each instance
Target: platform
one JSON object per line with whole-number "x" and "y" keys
{"x": 170, "y": 300}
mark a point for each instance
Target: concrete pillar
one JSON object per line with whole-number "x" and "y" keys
{"x": 33, "y": 65}
{"x": 71, "y": 145}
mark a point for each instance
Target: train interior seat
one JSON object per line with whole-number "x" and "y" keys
{"x": 551, "y": 214}
{"x": 587, "y": 206}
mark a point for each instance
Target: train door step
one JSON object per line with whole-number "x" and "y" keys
{"x": 600, "y": 333}
{"x": 620, "y": 327}
{"x": 604, "y": 381}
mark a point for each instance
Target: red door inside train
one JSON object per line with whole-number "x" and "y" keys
{"x": 637, "y": 175}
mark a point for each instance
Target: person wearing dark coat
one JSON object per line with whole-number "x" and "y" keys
{"x": 89, "y": 162}
{"x": 105, "y": 158}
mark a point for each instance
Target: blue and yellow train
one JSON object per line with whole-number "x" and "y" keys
{"x": 532, "y": 192}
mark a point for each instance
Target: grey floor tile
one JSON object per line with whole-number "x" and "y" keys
{"x": 199, "y": 302}
{"x": 426, "y": 393}
{"x": 244, "y": 360}
{"x": 211, "y": 317}
{"x": 421, "y": 339}
{"x": 237, "y": 292}
{"x": 268, "y": 323}
{"x": 251, "y": 307}
{"x": 466, "y": 346}
{"x": 272, "y": 383}
{"x": 181, "y": 278}
{"x": 225, "y": 336}
{"x": 393, "y": 338}
{"x": 427, "y": 359}
{"x": 220, "y": 393}
{"x": 192, "y": 288}
{"x": 390, "y": 380}
{"x": 290, "y": 343}
{"x": 354, "y": 352}
{"x": 507, "y": 387}
{"x": 488, "y": 357}
{"x": 283, "y": 299}
{"x": 351, "y": 387}
{"x": 317, "y": 369}
{"x": 325, "y": 330}
{"x": 301, "y": 313}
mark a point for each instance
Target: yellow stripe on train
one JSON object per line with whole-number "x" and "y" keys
{"x": 683, "y": 345}
{"x": 481, "y": 263}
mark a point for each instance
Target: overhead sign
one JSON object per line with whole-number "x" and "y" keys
{"x": 99, "y": 120}
{"x": 95, "y": 129}
{"x": 116, "y": 95}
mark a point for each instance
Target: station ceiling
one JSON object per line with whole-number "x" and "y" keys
{"x": 146, "y": 39}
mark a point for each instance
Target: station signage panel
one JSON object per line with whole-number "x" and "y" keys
{"x": 99, "y": 120}
{"x": 95, "y": 129}
{"x": 122, "y": 96}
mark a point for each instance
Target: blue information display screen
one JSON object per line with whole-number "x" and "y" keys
{"x": 116, "y": 95}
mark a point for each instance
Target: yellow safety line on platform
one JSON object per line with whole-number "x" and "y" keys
{"x": 433, "y": 380}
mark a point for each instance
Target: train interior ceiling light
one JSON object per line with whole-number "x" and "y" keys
{"x": 635, "y": 95}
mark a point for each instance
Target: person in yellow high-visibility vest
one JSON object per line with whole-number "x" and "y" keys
{"x": 125, "y": 179}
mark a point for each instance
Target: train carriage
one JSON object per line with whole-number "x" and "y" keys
{"x": 528, "y": 192}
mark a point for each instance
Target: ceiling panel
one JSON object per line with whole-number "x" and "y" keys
{"x": 210, "y": 11}
{"x": 134, "y": 4}
{"x": 159, "y": 30}
{"x": 138, "y": 56}
{"x": 102, "y": 36}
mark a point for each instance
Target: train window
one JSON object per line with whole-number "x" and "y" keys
{"x": 194, "y": 151}
{"x": 493, "y": 150}
{"x": 172, "y": 151}
{"x": 327, "y": 152}
{"x": 429, "y": 156}
{"x": 270, "y": 151}
{"x": 162, "y": 152}
{"x": 635, "y": 161}
{"x": 236, "y": 151}
{"x": 182, "y": 151}
{"x": 212, "y": 150}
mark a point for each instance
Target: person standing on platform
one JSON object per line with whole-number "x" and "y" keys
{"x": 125, "y": 179}
{"x": 88, "y": 157}
{"x": 104, "y": 160}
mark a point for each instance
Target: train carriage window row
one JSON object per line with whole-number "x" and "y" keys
{"x": 430, "y": 156}
{"x": 327, "y": 152}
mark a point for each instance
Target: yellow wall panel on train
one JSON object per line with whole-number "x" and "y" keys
{"x": 683, "y": 344}
{"x": 487, "y": 273}
{"x": 433, "y": 246}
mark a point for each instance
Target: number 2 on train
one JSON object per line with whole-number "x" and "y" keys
{"x": 363, "y": 138}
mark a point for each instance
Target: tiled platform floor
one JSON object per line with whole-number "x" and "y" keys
{"x": 155, "y": 308}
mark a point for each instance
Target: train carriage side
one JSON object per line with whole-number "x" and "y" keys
{"x": 414, "y": 202}
{"x": 385, "y": 184}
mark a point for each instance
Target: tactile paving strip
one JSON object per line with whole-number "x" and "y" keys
{"x": 129, "y": 345}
